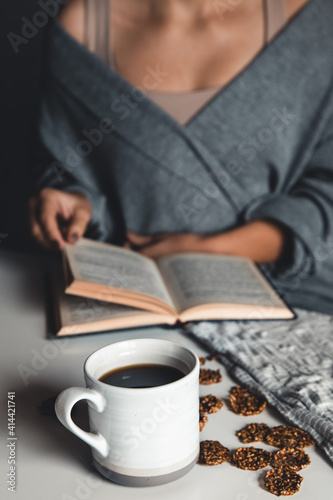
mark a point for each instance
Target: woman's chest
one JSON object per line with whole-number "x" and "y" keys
{"x": 186, "y": 57}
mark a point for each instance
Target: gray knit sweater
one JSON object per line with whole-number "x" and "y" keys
{"x": 262, "y": 148}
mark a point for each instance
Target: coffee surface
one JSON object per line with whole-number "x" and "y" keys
{"x": 142, "y": 376}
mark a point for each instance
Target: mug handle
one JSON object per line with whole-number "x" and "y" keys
{"x": 63, "y": 408}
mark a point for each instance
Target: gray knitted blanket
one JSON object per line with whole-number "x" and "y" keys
{"x": 290, "y": 363}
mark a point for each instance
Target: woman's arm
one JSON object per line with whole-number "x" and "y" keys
{"x": 261, "y": 241}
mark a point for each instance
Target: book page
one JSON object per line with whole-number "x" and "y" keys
{"x": 198, "y": 279}
{"x": 112, "y": 266}
{"x": 76, "y": 310}
{"x": 76, "y": 315}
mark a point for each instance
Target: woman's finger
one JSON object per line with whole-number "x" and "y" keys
{"x": 35, "y": 228}
{"x": 78, "y": 224}
{"x": 32, "y": 203}
{"x": 38, "y": 234}
{"x": 48, "y": 220}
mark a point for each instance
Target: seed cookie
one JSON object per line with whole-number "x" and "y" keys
{"x": 244, "y": 403}
{"x": 212, "y": 357}
{"x": 202, "y": 360}
{"x": 209, "y": 404}
{"x": 251, "y": 458}
{"x": 282, "y": 481}
{"x": 208, "y": 376}
{"x": 253, "y": 432}
{"x": 294, "y": 458}
{"x": 213, "y": 453}
{"x": 202, "y": 421}
{"x": 285, "y": 436}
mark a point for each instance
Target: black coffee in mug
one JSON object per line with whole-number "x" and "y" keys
{"x": 142, "y": 376}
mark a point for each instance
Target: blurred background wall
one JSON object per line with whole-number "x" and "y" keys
{"x": 20, "y": 84}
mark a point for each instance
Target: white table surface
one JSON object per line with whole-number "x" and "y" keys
{"x": 54, "y": 464}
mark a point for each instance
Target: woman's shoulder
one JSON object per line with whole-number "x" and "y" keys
{"x": 71, "y": 18}
{"x": 294, "y": 6}
{"x": 321, "y": 10}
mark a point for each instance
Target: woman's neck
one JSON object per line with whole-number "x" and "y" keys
{"x": 175, "y": 11}
{"x": 169, "y": 10}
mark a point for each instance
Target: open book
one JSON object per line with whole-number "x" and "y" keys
{"x": 109, "y": 287}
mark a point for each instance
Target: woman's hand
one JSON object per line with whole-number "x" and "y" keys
{"x": 57, "y": 217}
{"x": 261, "y": 241}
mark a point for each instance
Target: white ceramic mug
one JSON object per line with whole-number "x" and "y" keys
{"x": 139, "y": 436}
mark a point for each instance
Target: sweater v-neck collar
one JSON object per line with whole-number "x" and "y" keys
{"x": 252, "y": 65}
{"x": 262, "y": 54}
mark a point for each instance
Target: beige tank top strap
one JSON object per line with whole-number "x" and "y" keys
{"x": 96, "y": 29}
{"x": 276, "y": 17}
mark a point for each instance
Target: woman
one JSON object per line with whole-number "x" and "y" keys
{"x": 193, "y": 126}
